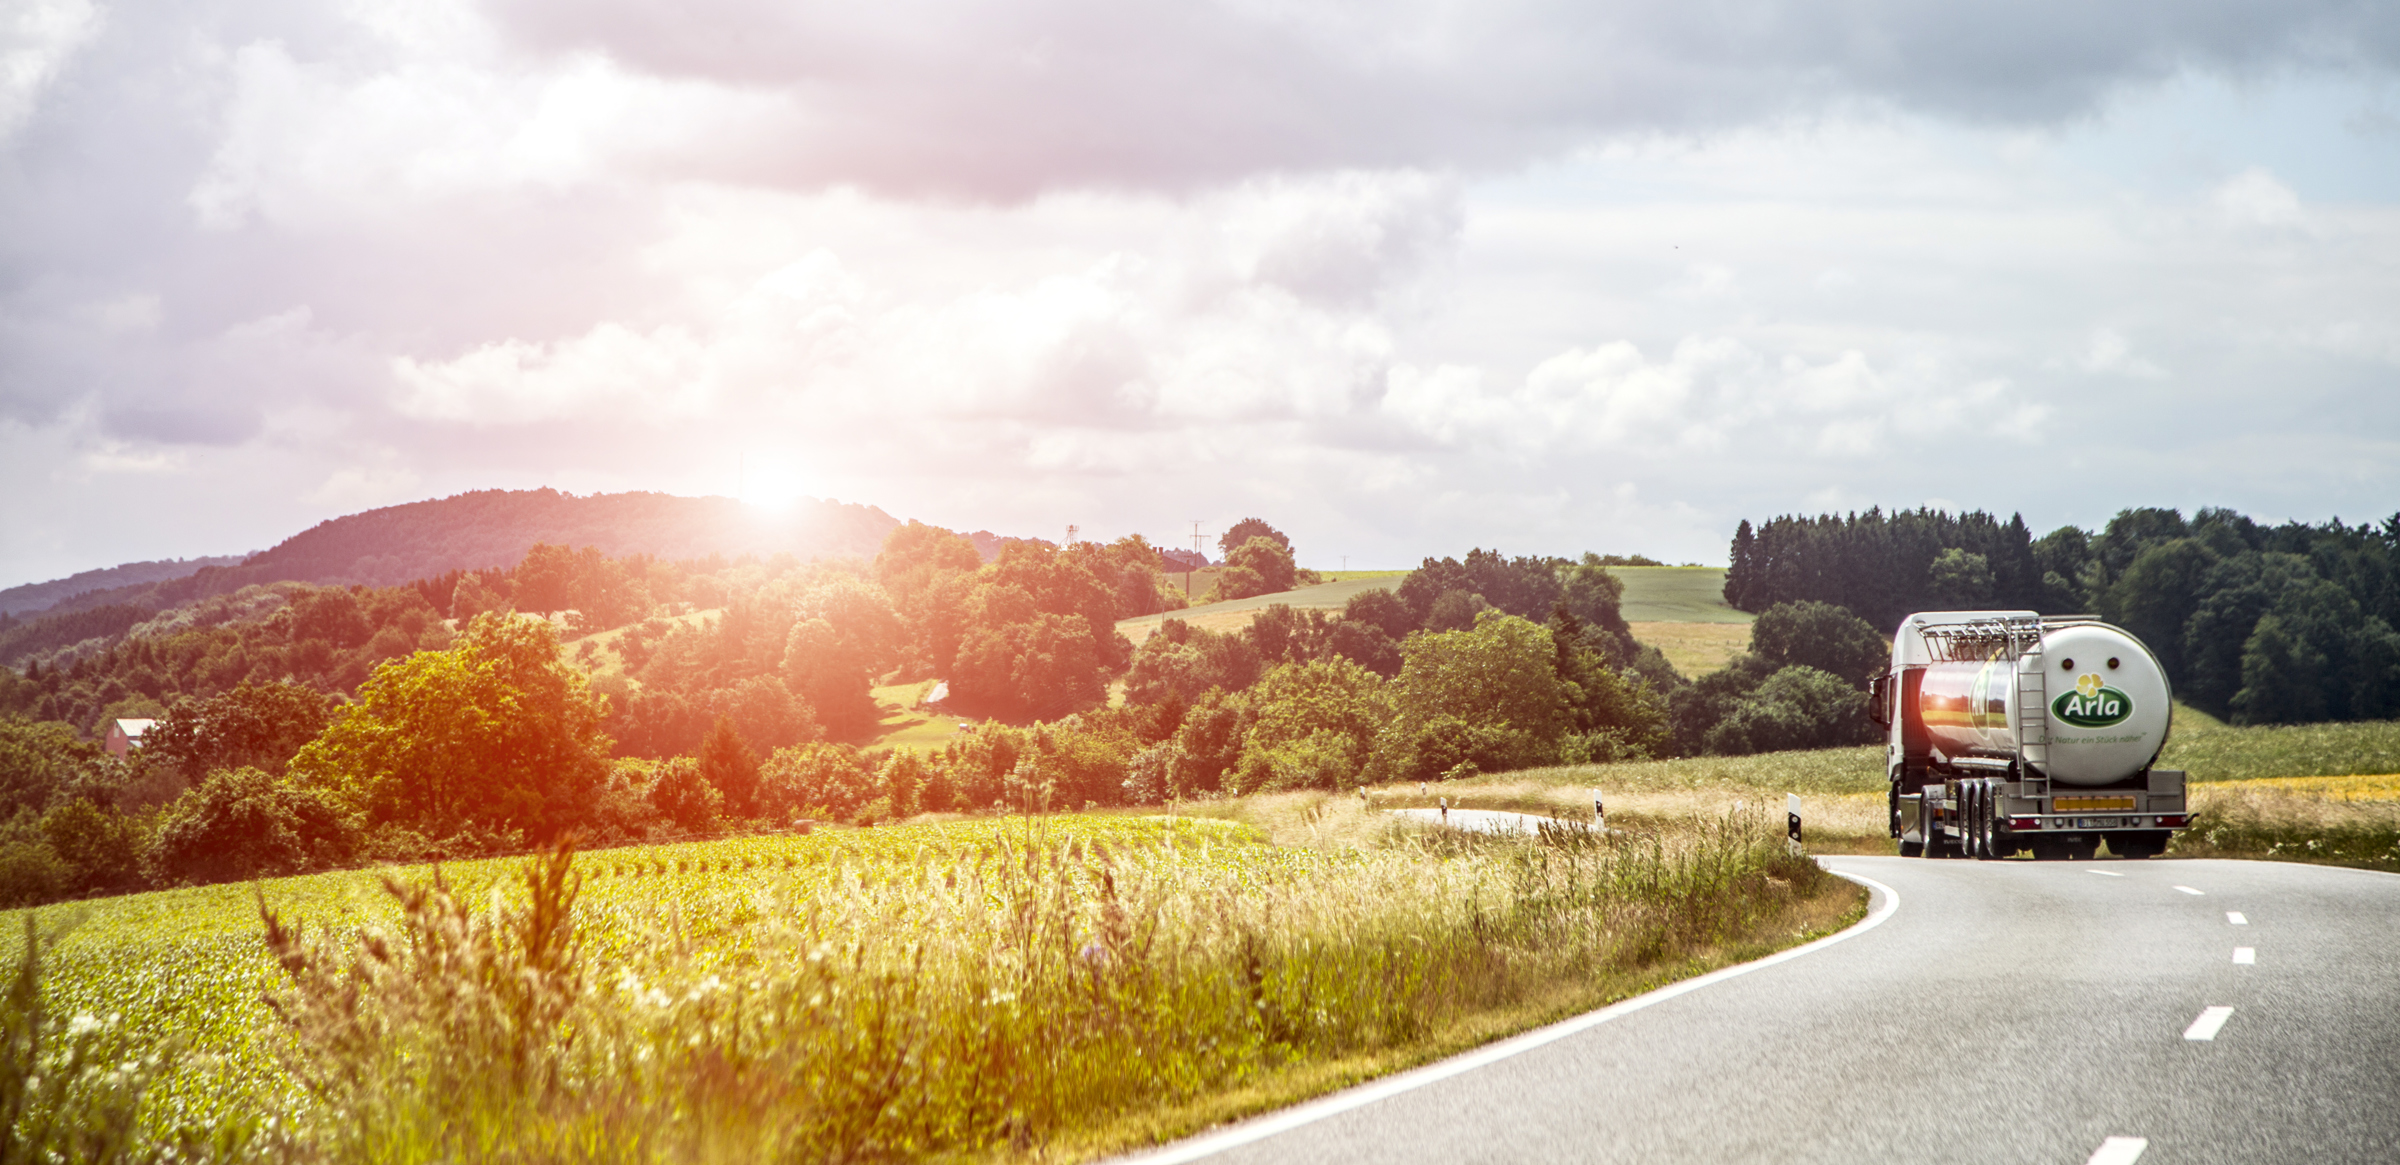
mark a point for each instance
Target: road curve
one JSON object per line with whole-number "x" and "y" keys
{"x": 2010, "y": 1012}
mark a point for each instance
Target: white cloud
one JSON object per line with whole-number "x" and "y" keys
{"x": 2254, "y": 198}
{"x": 37, "y": 38}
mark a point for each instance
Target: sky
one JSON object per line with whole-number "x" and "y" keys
{"x": 1403, "y": 278}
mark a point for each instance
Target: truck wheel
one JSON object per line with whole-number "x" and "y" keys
{"x": 1912, "y": 849}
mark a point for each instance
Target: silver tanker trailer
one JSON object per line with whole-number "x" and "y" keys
{"x": 2010, "y": 731}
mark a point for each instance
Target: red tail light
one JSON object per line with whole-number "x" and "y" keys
{"x": 2024, "y": 822}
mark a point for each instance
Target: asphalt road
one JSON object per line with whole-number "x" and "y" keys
{"x": 1995, "y": 1012}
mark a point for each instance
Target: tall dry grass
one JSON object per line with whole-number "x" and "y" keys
{"x": 982, "y": 995}
{"x": 2345, "y": 821}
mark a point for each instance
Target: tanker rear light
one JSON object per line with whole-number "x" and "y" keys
{"x": 2175, "y": 822}
{"x": 2024, "y": 823}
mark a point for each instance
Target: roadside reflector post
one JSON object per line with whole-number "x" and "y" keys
{"x": 1445, "y": 810}
{"x": 1791, "y": 811}
{"x": 1599, "y": 813}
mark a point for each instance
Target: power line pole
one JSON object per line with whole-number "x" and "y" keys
{"x": 1192, "y": 564}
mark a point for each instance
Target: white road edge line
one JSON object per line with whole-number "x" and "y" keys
{"x": 2205, "y": 1027}
{"x": 2245, "y": 955}
{"x": 2237, "y": 918}
{"x": 2189, "y": 890}
{"x": 2105, "y": 873}
{"x": 1307, "y": 1113}
{"x": 2119, "y": 1151}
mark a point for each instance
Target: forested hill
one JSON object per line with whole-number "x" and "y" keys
{"x": 494, "y": 528}
{"x": 491, "y": 528}
{"x": 35, "y": 596}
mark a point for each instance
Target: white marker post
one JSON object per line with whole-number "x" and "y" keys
{"x": 1791, "y": 809}
{"x": 1445, "y": 810}
{"x": 1599, "y": 813}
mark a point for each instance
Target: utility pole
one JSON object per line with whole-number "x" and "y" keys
{"x": 1071, "y": 528}
{"x": 1188, "y": 567}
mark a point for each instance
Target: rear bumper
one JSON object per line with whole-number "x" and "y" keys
{"x": 2078, "y": 822}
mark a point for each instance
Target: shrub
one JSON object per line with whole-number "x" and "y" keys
{"x": 243, "y": 823}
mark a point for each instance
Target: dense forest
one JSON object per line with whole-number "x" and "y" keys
{"x": 2260, "y": 624}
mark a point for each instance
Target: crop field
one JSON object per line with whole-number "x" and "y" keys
{"x": 1676, "y": 594}
{"x": 1696, "y": 649}
{"x": 1236, "y": 614}
{"x": 1055, "y": 986}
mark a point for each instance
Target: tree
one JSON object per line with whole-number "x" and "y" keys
{"x": 1796, "y": 708}
{"x": 1240, "y": 534}
{"x": 261, "y": 726}
{"x": 1312, "y": 725}
{"x": 1822, "y": 636}
{"x": 1489, "y": 698}
{"x": 496, "y": 733}
{"x": 244, "y": 823}
{"x": 37, "y": 760}
{"x": 1042, "y": 668}
{"x": 1382, "y": 609}
{"x": 729, "y": 766}
{"x": 545, "y": 579}
{"x": 1959, "y": 580}
{"x": 1261, "y": 566}
{"x": 682, "y": 796}
{"x": 768, "y": 715}
{"x": 2157, "y": 592}
{"x": 1595, "y": 597}
{"x": 824, "y": 670}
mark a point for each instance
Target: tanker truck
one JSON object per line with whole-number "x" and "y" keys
{"x": 2012, "y": 732}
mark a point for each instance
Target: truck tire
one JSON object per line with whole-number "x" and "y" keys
{"x": 1912, "y": 849}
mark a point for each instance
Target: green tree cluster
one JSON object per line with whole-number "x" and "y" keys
{"x": 2259, "y": 624}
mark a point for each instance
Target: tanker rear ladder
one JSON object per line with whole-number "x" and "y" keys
{"x": 2033, "y": 724}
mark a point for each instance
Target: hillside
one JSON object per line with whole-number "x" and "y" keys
{"x": 494, "y": 528}
{"x": 36, "y": 596}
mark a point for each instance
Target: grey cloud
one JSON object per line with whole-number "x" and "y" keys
{"x": 962, "y": 98}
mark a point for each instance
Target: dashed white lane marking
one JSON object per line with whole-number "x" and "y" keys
{"x": 2205, "y": 1027}
{"x": 2119, "y": 1151}
{"x": 2237, "y": 918}
{"x": 2245, "y": 955}
{"x": 2189, "y": 890}
{"x": 2105, "y": 873}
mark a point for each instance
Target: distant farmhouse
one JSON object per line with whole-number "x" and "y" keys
{"x": 125, "y": 735}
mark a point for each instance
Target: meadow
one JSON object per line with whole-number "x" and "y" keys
{"x": 1046, "y": 988}
{"x": 2305, "y": 792}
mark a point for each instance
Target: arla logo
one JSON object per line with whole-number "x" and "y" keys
{"x": 2092, "y": 704}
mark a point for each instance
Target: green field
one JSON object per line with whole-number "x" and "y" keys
{"x": 1236, "y": 614}
{"x": 1676, "y": 594}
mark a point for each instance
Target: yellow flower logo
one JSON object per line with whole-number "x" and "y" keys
{"x": 2089, "y": 684}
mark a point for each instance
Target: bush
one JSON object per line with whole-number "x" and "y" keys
{"x": 1797, "y": 707}
{"x": 243, "y": 823}
{"x": 683, "y": 798}
{"x": 1823, "y": 636}
{"x": 31, "y": 873}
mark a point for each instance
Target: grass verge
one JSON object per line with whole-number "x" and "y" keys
{"x": 994, "y": 989}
